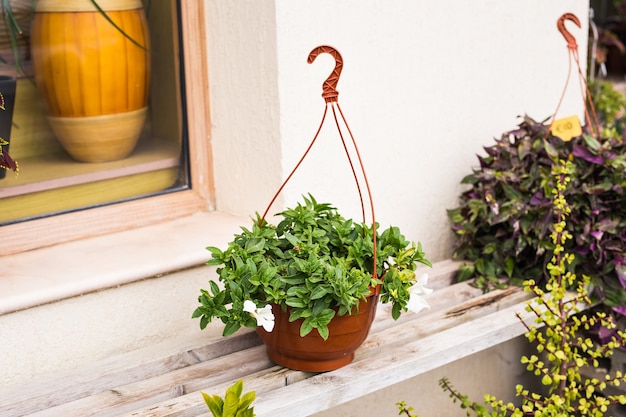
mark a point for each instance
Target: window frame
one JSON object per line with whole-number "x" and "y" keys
{"x": 48, "y": 231}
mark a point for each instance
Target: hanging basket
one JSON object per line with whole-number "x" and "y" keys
{"x": 325, "y": 273}
{"x": 311, "y": 352}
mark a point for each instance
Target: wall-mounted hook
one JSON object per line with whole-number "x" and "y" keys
{"x": 329, "y": 88}
{"x": 560, "y": 24}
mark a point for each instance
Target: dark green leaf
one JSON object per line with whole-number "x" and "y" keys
{"x": 231, "y": 328}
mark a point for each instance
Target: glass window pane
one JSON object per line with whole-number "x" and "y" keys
{"x": 98, "y": 115}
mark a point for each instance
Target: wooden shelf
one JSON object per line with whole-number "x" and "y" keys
{"x": 462, "y": 320}
{"x": 54, "y": 182}
{"x": 51, "y": 171}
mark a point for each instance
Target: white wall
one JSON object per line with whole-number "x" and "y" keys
{"x": 52, "y": 338}
{"x": 245, "y": 134}
{"x": 425, "y": 85}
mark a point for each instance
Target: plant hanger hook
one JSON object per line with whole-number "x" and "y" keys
{"x": 560, "y": 24}
{"x": 330, "y": 94}
{"x": 329, "y": 88}
{"x": 572, "y": 47}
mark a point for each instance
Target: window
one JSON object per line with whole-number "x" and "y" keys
{"x": 56, "y": 198}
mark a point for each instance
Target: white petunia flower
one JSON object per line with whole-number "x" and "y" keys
{"x": 263, "y": 316}
{"x": 417, "y": 302}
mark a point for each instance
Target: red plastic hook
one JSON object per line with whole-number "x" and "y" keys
{"x": 560, "y": 24}
{"x": 329, "y": 88}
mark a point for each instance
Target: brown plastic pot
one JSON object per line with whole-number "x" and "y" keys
{"x": 311, "y": 353}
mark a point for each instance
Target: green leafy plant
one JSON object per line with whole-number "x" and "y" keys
{"x": 562, "y": 351}
{"x": 405, "y": 409}
{"x": 610, "y": 106}
{"x": 502, "y": 222}
{"x": 12, "y": 29}
{"x": 119, "y": 29}
{"x": 619, "y": 6}
{"x": 233, "y": 404}
{"x": 315, "y": 264}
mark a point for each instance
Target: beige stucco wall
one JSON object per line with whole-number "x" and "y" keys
{"x": 57, "y": 337}
{"x": 425, "y": 85}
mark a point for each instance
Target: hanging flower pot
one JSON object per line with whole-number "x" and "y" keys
{"x": 311, "y": 353}
{"x": 311, "y": 283}
{"x": 92, "y": 75}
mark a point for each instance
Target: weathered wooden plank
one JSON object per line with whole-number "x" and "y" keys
{"x": 114, "y": 372}
{"x": 393, "y": 365}
{"x": 462, "y": 320}
{"x": 441, "y": 274}
{"x": 400, "y": 362}
{"x": 382, "y": 340}
{"x": 440, "y": 320}
{"x": 192, "y": 404}
{"x": 115, "y": 401}
{"x": 449, "y": 295}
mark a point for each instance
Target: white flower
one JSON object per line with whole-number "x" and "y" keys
{"x": 416, "y": 302}
{"x": 263, "y": 316}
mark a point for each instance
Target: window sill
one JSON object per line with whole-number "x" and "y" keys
{"x": 67, "y": 270}
{"x": 56, "y": 170}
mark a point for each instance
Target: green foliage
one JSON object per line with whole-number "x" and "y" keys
{"x": 406, "y": 410}
{"x": 610, "y": 106}
{"x": 112, "y": 23}
{"x": 503, "y": 220}
{"x": 562, "y": 348}
{"x": 314, "y": 262}
{"x": 14, "y": 32}
{"x": 233, "y": 404}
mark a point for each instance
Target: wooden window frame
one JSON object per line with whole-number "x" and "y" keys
{"x": 33, "y": 234}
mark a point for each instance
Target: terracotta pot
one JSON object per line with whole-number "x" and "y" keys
{"x": 311, "y": 353}
{"x": 94, "y": 80}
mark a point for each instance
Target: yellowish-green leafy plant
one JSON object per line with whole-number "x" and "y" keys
{"x": 558, "y": 336}
{"x": 610, "y": 105}
{"x": 561, "y": 349}
{"x": 233, "y": 404}
{"x": 405, "y": 409}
